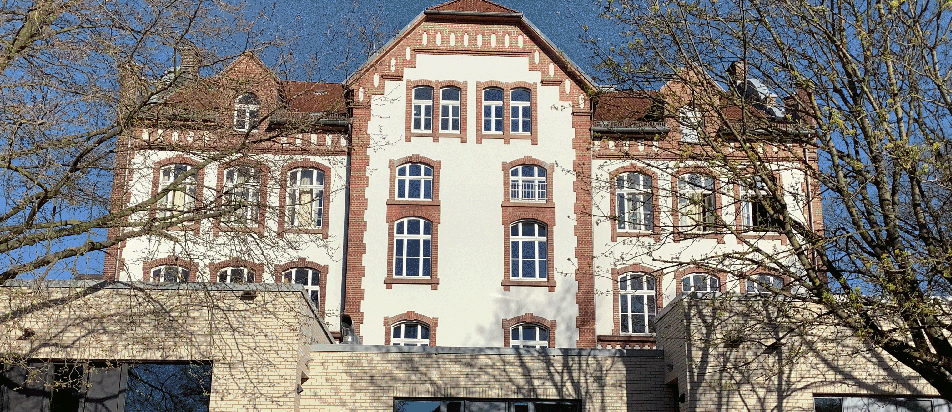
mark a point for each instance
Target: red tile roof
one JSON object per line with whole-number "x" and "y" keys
{"x": 479, "y": 6}
{"x": 623, "y": 106}
{"x": 314, "y": 97}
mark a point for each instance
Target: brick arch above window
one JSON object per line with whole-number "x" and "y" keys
{"x": 214, "y": 268}
{"x": 681, "y": 273}
{"x": 304, "y": 263}
{"x": 753, "y": 273}
{"x": 527, "y": 161}
{"x": 410, "y": 316}
{"x": 283, "y": 198}
{"x": 199, "y": 185}
{"x": 655, "y": 233}
{"x": 435, "y": 132}
{"x": 530, "y": 319}
{"x": 169, "y": 261}
{"x": 263, "y": 173}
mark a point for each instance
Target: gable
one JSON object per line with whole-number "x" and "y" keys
{"x": 477, "y": 6}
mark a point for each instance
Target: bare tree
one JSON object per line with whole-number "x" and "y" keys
{"x": 864, "y": 123}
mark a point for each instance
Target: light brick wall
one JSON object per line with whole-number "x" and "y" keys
{"x": 724, "y": 354}
{"x": 368, "y": 378}
{"x": 258, "y": 347}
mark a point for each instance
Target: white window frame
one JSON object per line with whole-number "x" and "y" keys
{"x": 242, "y": 187}
{"x": 247, "y": 110}
{"x": 758, "y": 284}
{"x": 422, "y": 263}
{"x": 689, "y": 283}
{"x": 751, "y": 202}
{"x": 164, "y": 272}
{"x": 637, "y": 289}
{"x": 302, "y": 212}
{"x": 493, "y": 115}
{"x": 520, "y": 112}
{"x": 697, "y": 202}
{"x": 406, "y": 177}
{"x": 517, "y": 335}
{"x": 243, "y": 275}
{"x": 634, "y": 201}
{"x": 309, "y": 278}
{"x": 181, "y": 198}
{"x": 422, "y": 121}
{"x": 517, "y": 240}
{"x": 398, "y": 333}
{"x": 450, "y": 121}
{"x": 692, "y": 122}
{"x": 528, "y": 183}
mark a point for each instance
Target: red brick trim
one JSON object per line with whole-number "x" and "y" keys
{"x": 394, "y": 214}
{"x": 544, "y": 215}
{"x": 528, "y": 160}
{"x": 304, "y": 263}
{"x": 584, "y": 249}
{"x": 415, "y": 158}
{"x": 283, "y": 198}
{"x": 199, "y": 186}
{"x": 655, "y": 232}
{"x": 213, "y": 268}
{"x": 528, "y": 318}
{"x": 680, "y": 273}
{"x": 616, "y": 292}
{"x": 507, "y": 134}
{"x": 169, "y": 261}
{"x": 359, "y": 180}
{"x": 263, "y": 173}
{"x": 411, "y": 316}
{"x": 435, "y": 133}
{"x": 679, "y": 234}
{"x": 745, "y": 233}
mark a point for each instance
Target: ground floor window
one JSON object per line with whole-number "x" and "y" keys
{"x": 879, "y": 404}
{"x": 484, "y": 405}
{"x": 100, "y": 386}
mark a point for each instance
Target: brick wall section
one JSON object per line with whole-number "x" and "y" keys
{"x": 724, "y": 353}
{"x": 584, "y": 274}
{"x": 370, "y": 377}
{"x": 258, "y": 347}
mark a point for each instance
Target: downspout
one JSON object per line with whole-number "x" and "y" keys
{"x": 343, "y": 275}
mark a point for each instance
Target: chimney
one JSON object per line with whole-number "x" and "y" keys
{"x": 737, "y": 72}
{"x": 191, "y": 59}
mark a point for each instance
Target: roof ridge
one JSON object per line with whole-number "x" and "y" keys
{"x": 479, "y": 6}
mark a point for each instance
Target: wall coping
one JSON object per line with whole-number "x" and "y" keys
{"x": 438, "y": 350}
{"x": 203, "y": 286}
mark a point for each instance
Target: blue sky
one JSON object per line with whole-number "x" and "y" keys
{"x": 317, "y": 27}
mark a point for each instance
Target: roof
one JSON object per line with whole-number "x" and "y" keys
{"x": 313, "y": 97}
{"x": 623, "y": 107}
{"x": 475, "y": 6}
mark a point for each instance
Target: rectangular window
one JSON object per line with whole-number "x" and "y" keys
{"x": 879, "y": 404}
{"x": 450, "y": 109}
{"x": 478, "y": 405}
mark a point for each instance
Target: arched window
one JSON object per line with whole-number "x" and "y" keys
{"x": 700, "y": 282}
{"x": 415, "y": 182}
{"x": 170, "y": 273}
{"x": 637, "y": 303}
{"x": 236, "y": 274}
{"x": 309, "y": 278}
{"x": 692, "y": 122}
{"x": 633, "y": 198}
{"x": 242, "y": 188}
{"x": 527, "y": 183}
{"x": 422, "y": 109}
{"x": 520, "y": 103}
{"x": 410, "y": 334}
{"x": 754, "y": 213}
{"x": 697, "y": 202}
{"x": 306, "y": 198}
{"x": 450, "y": 109}
{"x": 180, "y": 197}
{"x": 763, "y": 284}
{"x": 529, "y": 335}
{"x": 492, "y": 110}
{"x": 412, "y": 246}
{"x": 528, "y": 247}
{"x": 247, "y": 107}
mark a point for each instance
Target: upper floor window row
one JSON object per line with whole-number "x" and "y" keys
{"x": 520, "y": 110}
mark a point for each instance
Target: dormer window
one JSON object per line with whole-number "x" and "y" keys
{"x": 246, "y": 112}
{"x": 691, "y": 124}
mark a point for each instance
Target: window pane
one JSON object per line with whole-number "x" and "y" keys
{"x": 423, "y": 93}
{"x": 492, "y": 95}
{"x": 529, "y": 333}
{"x": 168, "y": 387}
{"x": 413, "y": 191}
{"x": 450, "y": 93}
{"x": 413, "y": 227}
